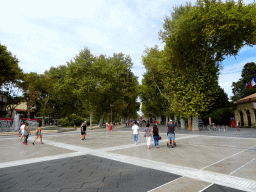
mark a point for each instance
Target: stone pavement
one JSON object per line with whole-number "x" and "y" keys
{"x": 110, "y": 161}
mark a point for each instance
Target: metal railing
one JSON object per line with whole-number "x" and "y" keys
{"x": 213, "y": 127}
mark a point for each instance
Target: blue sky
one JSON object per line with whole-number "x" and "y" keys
{"x": 50, "y": 33}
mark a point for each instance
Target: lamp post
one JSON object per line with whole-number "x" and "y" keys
{"x": 111, "y": 112}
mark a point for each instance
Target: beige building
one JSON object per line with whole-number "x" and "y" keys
{"x": 245, "y": 111}
{"x": 22, "y": 110}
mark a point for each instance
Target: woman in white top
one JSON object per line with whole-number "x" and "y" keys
{"x": 107, "y": 125}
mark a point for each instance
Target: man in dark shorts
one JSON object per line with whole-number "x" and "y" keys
{"x": 83, "y": 130}
{"x": 170, "y": 133}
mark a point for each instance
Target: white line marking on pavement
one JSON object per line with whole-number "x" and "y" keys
{"x": 242, "y": 166}
{"x": 39, "y": 159}
{"x": 210, "y": 177}
{"x": 231, "y": 137}
{"x": 141, "y": 144}
{"x": 228, "y": 157}
{"x": 206, "y": 188}
{"x": 68, "y": 146}
{"x": 165, "y": 184}
{"x": 203, "y": 175}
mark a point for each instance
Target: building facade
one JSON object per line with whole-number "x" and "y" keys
{"x": 245, "y": 112}
{"x": 22, "y": 110}
{"x": 3, "y": 103}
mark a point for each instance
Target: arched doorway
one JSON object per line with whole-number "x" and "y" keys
{"x": 248, "y": 118}
{"x": 242, "y": 119}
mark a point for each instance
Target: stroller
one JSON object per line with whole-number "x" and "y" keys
{"x": 174, "y": 142}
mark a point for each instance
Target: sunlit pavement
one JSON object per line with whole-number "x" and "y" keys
{"x": 110, "y": 161}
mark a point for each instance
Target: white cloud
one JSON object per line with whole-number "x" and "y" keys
{"x": 50, "y": 33}
{"x": 238, "y": 66}
{"x": 225, "y": 81}
{"x": 94, "y": 36}
{"x": 232, "y": 73}
{"x": 48, "y": 8}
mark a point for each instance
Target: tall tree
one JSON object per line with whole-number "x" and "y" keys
{"x": 196, "y": 43}
{"x": 9, "y": 68}
{"x": 240, "y": 88}
{"x": 31, "y": 93}
{"x": 153, "y": 92}
{"x": 103, "y": 84}
{"x": 10, "y": 76}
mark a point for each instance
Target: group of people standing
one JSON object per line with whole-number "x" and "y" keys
{"x": 24, "y": 132}
{"x": 109, "y": 126}
{"x": 155, "y": 132}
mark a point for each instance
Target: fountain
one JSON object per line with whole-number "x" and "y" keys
{"x": 13, "y": 126}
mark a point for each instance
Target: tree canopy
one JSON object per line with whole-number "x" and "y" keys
{"x": 9, "y": 68}
{"x": 240, "y": 88}
{"x": 87, "y": 85}
{"x": 197, "y": 39}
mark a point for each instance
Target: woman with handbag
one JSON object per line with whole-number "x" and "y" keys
{"x": 156, "y": 132}
{"x": 38, "y": 133}
{"x": 148, "y": 131}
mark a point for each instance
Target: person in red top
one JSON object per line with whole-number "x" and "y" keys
{"x": 111, "y": 126}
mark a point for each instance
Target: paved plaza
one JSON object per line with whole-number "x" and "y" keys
{"x": 110, "y": 161}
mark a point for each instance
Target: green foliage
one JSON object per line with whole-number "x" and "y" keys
{"x": 240, "y": 88}
{"x": 100, "y": 82}
{"x": 153, "y": 92}
{"x": 74, "y": 119}
{"x": 87, "y": 85}
{"x": 9, "y": 68}
{"x": 220, "y": 116}
{"x": 221, "y": 99}
{"x": 221, "y": 109}
{"x": 197, "y": 39}
{"x": 64, "y": 121}
{"x": 71, "y": 120}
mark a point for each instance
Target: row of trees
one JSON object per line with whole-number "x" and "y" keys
{"x": 182, "y": 79}
{"x": 97, "y": 86}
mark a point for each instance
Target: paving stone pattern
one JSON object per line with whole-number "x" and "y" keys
{"x": 219, "y": 188}
{"x": 82, "y": 173}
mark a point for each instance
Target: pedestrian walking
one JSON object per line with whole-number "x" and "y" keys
{"x": 148, "y": 131}
{"x": 126, "y": 123}
{"x": 22, "y": 131}
{"x": 83, "y": 130}
{"x": 26, "y": 133}
{"x": 107, "y": 125}
{"x": 111, "y": 126}
{"x": 38, "y": 133}
{"x": 135, "y": 132}
{"x": 19, "y": 131}
{"x": 170, "y": 132}
{"x": 156, "y": 132}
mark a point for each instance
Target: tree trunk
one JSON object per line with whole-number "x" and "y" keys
{"x": 182, "y": 123}
{"x": 43, "y": 123}
{"x": 91, "y": 120}
{"x": 28, "y": 108}
{"x": 195, "y": 124}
